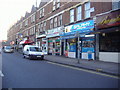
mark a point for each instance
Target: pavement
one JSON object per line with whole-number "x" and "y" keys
{"x": 95, "y": 65}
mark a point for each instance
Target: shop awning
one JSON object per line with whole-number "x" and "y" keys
{"x": 26, "y": 42}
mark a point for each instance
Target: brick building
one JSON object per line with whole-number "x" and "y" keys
{"x": 63, "y": 28}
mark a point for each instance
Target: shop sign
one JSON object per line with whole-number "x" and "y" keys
{"x": 68, "y": 37}
{"x": 108, "y": 20}
{"x": 83, "y": 27}
{"x": 54, "y": 32}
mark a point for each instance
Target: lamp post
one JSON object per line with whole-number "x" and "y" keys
{"x": 36, "y": 23}
{"x": 78, "y": 47}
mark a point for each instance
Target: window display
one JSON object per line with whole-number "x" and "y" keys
{"x": 88, "y": 45}
{"x": 110, "y": 42}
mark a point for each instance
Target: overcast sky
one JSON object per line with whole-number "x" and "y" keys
{"x": 11, "y": 11}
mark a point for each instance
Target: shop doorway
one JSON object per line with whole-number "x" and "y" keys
{"x": 88, "y": 48}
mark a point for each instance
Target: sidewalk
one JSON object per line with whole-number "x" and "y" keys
{"x": 100, "y": 66}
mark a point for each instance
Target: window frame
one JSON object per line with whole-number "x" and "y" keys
{"x": 79, "y": 13}
{"x": 51, "y": 23}
{"x": 87, "y": 10}
{"x": 72, "y": 17}
{"x": 55, "y": 21}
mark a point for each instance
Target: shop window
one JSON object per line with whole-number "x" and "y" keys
{"x": 88, "y": 45}
{"x": 110, "y": 42}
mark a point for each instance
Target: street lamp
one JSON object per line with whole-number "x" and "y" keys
{"x": 35, "y": 24}
{"x": 78, "y": 47}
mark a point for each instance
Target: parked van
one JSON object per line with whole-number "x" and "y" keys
{"x": 32, "y": 52}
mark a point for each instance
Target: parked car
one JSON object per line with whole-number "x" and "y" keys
{"x": 32, "y": 52}
{"x": 0, "y": 51}
{"x": 8, "y": 49}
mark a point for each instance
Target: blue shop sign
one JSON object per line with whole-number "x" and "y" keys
{"x": 84, "y": 27}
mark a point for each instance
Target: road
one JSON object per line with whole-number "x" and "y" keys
{"x": 23, "y": 73}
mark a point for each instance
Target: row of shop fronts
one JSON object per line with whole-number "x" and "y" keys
{"x": 94, "y": 39}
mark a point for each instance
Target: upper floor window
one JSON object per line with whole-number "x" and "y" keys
{"x": 33, "y": 18}
{"x": 115, "y": 4}
{"x": 20, "y": 25}
{"x": 87, "y": 10}
{"x": 71, "y": 15}
{"x": 41, "y": 27}
{"x": 51, "y": 23}
{"x": 55, "y": 22}
{"x": 79, "y": 13}
{"x": 26, "y": 22}
{"x": 27, "y": 33}
{"x": 41, "y": 12}
{"x": 54, "y": 3}
{"x": 58, "y": 3}
{"x": 60, "y": 20}
{"x": 44, "y": 28}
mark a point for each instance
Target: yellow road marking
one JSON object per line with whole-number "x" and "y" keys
{"x": 116, "y": 77}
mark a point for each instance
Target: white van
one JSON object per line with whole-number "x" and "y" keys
{"x": 32, "y": 52}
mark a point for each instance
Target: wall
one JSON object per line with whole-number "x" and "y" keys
{"x": 109, "y": 57}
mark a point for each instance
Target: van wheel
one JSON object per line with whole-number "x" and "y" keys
{"x": 29, "y": 57}
{"x": 23, "y": 56}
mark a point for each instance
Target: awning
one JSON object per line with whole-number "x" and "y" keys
{"x": 26, "y": 42}
{"x": 40, "y": 36}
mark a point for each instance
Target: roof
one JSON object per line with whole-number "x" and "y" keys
{"x": 43, "y": 2}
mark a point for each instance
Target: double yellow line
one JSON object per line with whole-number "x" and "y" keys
{"x": 94, "y": 72}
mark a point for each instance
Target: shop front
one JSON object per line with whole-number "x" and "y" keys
{"x": 42, "y": 42}
{"x": 53, "y": 40}
{"x": 77, "y": 40}
{"x": 108, "y": 26}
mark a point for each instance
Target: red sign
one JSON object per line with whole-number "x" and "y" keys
{"x": 108, "y": 20}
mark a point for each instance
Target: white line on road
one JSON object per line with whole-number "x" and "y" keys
{"x": 1, "y": 74}
{"x": 9, "y": 88}
{"x": 116, "y": 77}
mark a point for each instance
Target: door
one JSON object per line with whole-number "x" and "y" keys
{"x": 88, "y": 47}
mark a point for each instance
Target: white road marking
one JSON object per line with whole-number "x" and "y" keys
{"x": 116, "y": 77}
{"x": 9, "y": 88}
{"x": 1, "y": 74}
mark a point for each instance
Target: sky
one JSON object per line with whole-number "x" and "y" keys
{"x": 11, "y": 11}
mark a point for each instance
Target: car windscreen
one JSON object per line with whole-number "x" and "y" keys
{"x": 35, "y": 49}
{"x": 8, "y": 47}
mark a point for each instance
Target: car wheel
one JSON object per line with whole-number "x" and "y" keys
{"x": 23, "y": 56}
{"x": 29, "y": 57}
{"x": 42, "y": 58}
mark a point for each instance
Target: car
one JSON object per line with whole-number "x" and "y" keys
{"x": 0, "y": 51}
{"x": 32, "y": 52}
{"x": 8, "y": 49}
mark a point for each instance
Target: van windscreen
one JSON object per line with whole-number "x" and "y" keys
{"x": 36, "y": 49}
